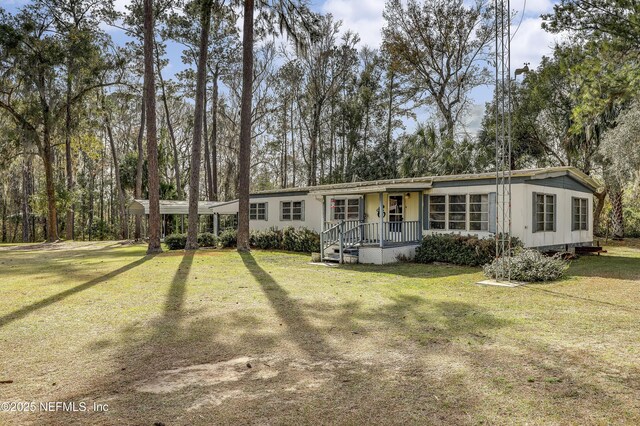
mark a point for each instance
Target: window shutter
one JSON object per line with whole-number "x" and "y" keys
{"x": 574, "y": 224}
{"x": 361, "y": 209}
{"x": 586, "y": 207}
{"x": 493, "y": 212}
{"x": 555, "y": 212}
{"x": 425, "y": 212}
{"x": 302, "y": 210}
{"x": 534, "y": 212}
{"x": 266, "y": 211}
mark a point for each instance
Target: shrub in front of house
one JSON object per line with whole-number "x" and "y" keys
{"x": 269, "y": 239}
{"x": 458, "y": 249}
{"x": 290, "y": 239}
{"x": 207, "y": 239}
{"x": 302, "y": 240}
{"x": 176, "y": 241}
{"x": 228, "y": 238}
{"x": 530, "y": 266}
{"x": 179, "y": 241}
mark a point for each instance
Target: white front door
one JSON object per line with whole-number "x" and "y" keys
{"x": 396, "y": 213}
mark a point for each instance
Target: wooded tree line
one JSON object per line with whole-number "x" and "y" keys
{"x": 293, "y": 99}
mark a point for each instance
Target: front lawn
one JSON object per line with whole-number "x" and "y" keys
{"x": 217, "y": 337}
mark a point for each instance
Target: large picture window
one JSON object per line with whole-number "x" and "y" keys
{"x": 346, "y": 208}
{"x": 437, "y": 211}
{"x": 545, "y": 212}
{"x": 258, "y": 211}
{"x": 580, "y": 212}
{"x": 292, "y": 210}
{"x": 479, "y": 212}
{"x": 458, "y": 212}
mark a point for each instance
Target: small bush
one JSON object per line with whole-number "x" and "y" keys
{"x": 228, "y": 238}
{"x": 458, "y": 249}
{"x": 207, "y": 239}
{"x": 530, "y": 266}
{"x": 300, "y": 239}
{"x": 270, "y": 239}
{"x": 176, "y": 241}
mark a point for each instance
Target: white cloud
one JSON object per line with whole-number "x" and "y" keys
{"x": 531, "y": 43}
{"x": 532, "y": 7}
{"x": 362, "y": 17}
{"x": 119, "y": 5}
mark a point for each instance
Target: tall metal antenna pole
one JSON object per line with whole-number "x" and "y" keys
{"x": 503, "y": 136}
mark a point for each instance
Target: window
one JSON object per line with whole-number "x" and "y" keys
{"x": 580, "y": 214}
{"x": 346, "y": 208}
{"x": 258, "y": 211}
{"x": 437, "y": 211}
{"x": 458, "y": 212}
{"x": 479, "y": 212}
{"x": 545, "y": 210}
{"x": 292, "y": 210}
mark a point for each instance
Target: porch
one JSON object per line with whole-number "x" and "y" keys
{"x": 371, "y": 226}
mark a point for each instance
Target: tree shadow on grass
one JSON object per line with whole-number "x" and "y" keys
{"x": 22, "y": 312}
{"x": 306, "y": 336}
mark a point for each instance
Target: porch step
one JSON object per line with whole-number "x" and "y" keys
{"x": 335, "y": 257}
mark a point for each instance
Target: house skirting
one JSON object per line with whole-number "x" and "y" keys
{"x": 563, "y": 247}
{"x": 382, "y": 256}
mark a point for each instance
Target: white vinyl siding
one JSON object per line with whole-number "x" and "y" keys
{"x": 258, "y": 211}
{"x": 291, "y": 210}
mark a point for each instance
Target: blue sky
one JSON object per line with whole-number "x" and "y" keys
{"x": 529, "y": 43}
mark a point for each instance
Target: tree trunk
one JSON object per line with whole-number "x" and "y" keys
{"x": 214, "y": 137}
{"x": 244, "y": 156}
{"x": 617, "y": 216}
{"x": 201, "y": 81}
{"x": 152, "y": 142}
{"x": 47, "y": 159}
{"x": 207, "y": 153}
{"x": 4, "y": 219}
{"x": 283, "y": 161}
{"x": 122, "y": 208}
{"x": 67, "y": 148}
{"x": 172, "y": 137}
{"x": 139, "y": 169}
{"x": 26, "y": 192}
{"x": 600, "y": 197}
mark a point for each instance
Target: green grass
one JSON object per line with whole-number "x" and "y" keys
{"x": 170, "y": 339}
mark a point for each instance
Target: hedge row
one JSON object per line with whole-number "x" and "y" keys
{"x": 178, "y": 241}
{"x": 458, "y": 249}
{"x": 290, "y": 239}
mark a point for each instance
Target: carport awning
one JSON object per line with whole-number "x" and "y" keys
{"x": 229, "y": 207}
{"x": 141, "y": 207}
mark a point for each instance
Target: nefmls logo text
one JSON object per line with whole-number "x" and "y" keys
{"x": 70, "y": 406}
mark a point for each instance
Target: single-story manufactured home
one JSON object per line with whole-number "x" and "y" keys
{"x": 378, "y": 221}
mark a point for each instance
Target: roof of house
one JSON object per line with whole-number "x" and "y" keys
{"x": 140, "y": 207}
{"x": 426, "y": 182}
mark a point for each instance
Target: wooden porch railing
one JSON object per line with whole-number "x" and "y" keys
{"x": 347, "y": 234}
